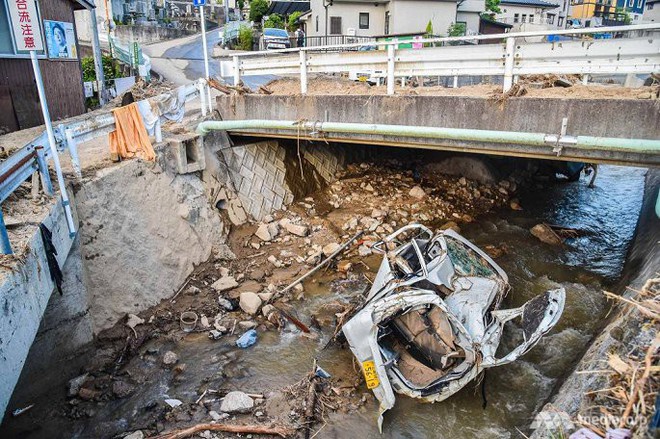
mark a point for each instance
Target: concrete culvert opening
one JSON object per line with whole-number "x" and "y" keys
{"x": 221, "y": 240}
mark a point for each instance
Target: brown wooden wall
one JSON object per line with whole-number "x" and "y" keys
{"x": 19, "y": 102}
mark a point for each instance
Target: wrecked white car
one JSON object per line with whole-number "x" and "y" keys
{"x": 431, "y": 322}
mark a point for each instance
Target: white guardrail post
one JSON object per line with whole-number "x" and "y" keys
{"x": 303, "y": 72}
{"x": 390, "y": 69}
{"x": 509, "y": 54}
{"x": 237, "y": 70}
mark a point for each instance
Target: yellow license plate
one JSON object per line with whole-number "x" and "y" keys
{"x": 370, "y": 375}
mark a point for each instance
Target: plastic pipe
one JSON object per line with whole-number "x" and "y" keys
{"x": 506, "y": 137}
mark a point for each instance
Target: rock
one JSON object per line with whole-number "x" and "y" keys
{"x": 417, "y": 192}
{"x": 462, "y": 181}
{"x": 204, "y": 321}
{"x": 246, "y": 324}
{"x": 224, "y": 253}
{"x": 351, "y": 224}
{"x": 369, "y": 187}
{"x": 545, "y": 234}
{"x": 314, "y": 259}
{"x": 363, "y": 250}
{"x": 470, "y": 167}
{"x": 76, "y": 383}
{"x": 258, "y": 274}
{"x": 173, "y": 402}
{"x": 263, "y": 233}
{"x": 265, "y": 297}
{"x": 226, "y": 304}
{"x": 299, "y": 288}
{"x": 273, "y": 260}
{"x": 236, "y": 402}
{"x": 132, "y": 321}
{"x": 88, "y": 394}
{"x": 273, "y": 229}
{"x": 224, "y": 284}
{"x": 215, "y": 415}
{"x": 269, "y": 219}
{"x": 451, "y": 225}
{"x": 515, "y": 204}
{"x": 377, "y": 213}
{"x": 122, "y": 389}
{"x": 250, "y": 303}
{"x": 344, "y": 266}
{"x": 296, "y": 229}
{"x": 170, "y": 358}
{"x": 135, "y": 435}
{"x": 330, "y": 248}
{"x": 237, "y": 214}
{"x": 267, "y": 310}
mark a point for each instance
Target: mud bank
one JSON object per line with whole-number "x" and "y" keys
{"x": 627, "y": 334}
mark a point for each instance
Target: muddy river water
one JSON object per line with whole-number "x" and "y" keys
{"x": 584, "y": 266}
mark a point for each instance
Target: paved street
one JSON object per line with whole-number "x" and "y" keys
{"x": 182, "y": 60}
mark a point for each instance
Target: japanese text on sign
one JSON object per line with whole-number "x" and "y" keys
{"x": 25, "y": 25}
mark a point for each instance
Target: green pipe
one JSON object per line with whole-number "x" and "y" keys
{"x": 507, "y": 137}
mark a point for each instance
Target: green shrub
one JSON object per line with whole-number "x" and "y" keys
{"x": 258, "y": 9}
{"x": 291, "y": 21}
{"x": 274, "y": 20}
{"x": 111, "y": 70}
{"x": 245, "y": 38}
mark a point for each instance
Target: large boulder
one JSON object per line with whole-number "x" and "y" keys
{"x": 472, "y": 168}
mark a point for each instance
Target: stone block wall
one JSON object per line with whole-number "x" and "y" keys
{"x": 257, "y": 171}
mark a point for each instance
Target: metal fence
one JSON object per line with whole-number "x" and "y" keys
{"x": 521, "y": 53}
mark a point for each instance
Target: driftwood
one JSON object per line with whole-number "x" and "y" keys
{"x": 245, "y": 429}
{"x": 216, "y": 84}
{"x": 641, "y": 383}
{"x": 319, "y": 266}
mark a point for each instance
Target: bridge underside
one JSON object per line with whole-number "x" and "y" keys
{"x": 624, "y": 118}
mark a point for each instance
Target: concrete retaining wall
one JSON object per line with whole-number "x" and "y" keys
{"x": 25, "y": 292}
{"x": 149, "y": 34}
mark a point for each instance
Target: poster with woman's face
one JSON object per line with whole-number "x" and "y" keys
{"x": 60, "y": 39}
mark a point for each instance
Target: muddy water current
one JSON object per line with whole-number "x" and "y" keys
{"x": 584, "y": 266}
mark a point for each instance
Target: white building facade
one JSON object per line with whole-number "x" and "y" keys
{"x": 389, "y": 17}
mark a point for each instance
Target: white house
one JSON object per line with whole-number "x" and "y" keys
{"x": 651, "y": 12}
{"x": 529, "y": 15}
{"x": 389, "y": 17}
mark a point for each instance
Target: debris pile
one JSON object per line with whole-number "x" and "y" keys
{"x": 628, "y": 398}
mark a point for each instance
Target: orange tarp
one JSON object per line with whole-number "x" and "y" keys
{"x": 130, "y": 138}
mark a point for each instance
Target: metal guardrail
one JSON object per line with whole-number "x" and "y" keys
{"x": 523, "y": 53}
{"x": 34, "y": 156}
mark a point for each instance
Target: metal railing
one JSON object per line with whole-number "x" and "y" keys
{"x": 523, "y": 53}
{"x": 35, "y": 155}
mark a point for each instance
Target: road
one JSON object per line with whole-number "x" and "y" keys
{"x": 181, "y": 61}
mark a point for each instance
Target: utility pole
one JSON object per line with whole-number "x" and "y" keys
{"x": 98, "y": 56}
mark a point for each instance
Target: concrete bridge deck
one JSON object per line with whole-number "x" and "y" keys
{"x": 618, "y": 118}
